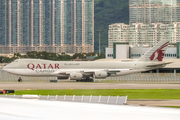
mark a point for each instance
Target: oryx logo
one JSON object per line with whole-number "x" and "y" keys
{"x": 159, "y": 53}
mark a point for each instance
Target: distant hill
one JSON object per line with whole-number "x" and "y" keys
{"x": 107, "y": 12}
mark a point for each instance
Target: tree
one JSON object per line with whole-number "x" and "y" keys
{"x": 101, "y": 56}
{"x": 7, "y": 60}
{"x": 2, "y": 59}
{"x": 32, "y": 54}
{"x": 91, "y": 54}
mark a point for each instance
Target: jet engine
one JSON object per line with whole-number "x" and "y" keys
{"x": 75, "y": 76}
{"x": 62, "y": 77}
{"x": 100, "y": 74}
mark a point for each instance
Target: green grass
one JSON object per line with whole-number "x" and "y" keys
{"x": 131, "y": 93}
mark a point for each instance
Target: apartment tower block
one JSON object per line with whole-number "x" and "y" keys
{"x": 46, "y": 25}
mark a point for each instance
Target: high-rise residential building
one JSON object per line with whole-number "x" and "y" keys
{"x": 46, "y": 25}
{"x": 139, "y": 34}
{"x": 154, "y": 11}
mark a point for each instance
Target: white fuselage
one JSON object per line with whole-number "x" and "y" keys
{"x": 37, "y": 67}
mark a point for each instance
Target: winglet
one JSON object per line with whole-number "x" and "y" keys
{"x": 156, "y": 53}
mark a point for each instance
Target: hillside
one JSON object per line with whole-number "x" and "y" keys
{"x": 108, "y": 12}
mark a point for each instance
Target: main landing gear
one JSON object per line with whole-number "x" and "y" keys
{"x": 19, "y": 80}
{"x": 86, "y": 80}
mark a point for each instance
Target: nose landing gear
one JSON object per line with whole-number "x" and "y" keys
{"x": 19, "y": 80}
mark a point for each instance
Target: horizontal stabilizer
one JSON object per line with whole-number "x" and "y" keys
{"x": 156, "y": 65}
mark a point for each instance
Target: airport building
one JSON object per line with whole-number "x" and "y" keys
{"x": 46, "y": 25}
{"x": 154, "y": 11}
{"x": 122, "y": 50}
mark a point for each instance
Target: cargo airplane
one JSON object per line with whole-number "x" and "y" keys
{"x": 89, "y": 70}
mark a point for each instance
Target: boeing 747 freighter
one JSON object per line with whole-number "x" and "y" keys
{"x": 89, "y": 70}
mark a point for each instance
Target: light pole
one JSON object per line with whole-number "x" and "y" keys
{"x": 99, "y": 42}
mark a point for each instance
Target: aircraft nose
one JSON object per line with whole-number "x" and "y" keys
{"x": 3, "y": 68}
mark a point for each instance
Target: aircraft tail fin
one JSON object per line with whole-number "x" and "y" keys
{"x": 157, "y": 52}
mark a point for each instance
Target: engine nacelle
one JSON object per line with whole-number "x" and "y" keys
{"x": 75, "y": 76}
{"x": 62, "y": 77}
{"x": 100, "y": 74}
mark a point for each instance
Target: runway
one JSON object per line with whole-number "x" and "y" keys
{"x": 154, "y": 102}
{"x": 74, "y": 85}
{"x": 69, "y": 85}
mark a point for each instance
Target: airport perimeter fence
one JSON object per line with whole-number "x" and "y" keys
{"x": 119, "y": 100}
{"x": 138, "y": 77}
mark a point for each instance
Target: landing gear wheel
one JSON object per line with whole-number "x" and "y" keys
{"x": 19, "y": 80}
{"x": 89, "y": 80}
{"x": 86, "y": 80}
{"x": 92, "y": 80}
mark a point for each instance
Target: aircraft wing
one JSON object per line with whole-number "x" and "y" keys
{"x": 59, "y": 72}
{"x": 157, "y": 65}
{"x": 97, "y": 73}
{"x": 90, "y": 71}
{"x": 108, "y": 70}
